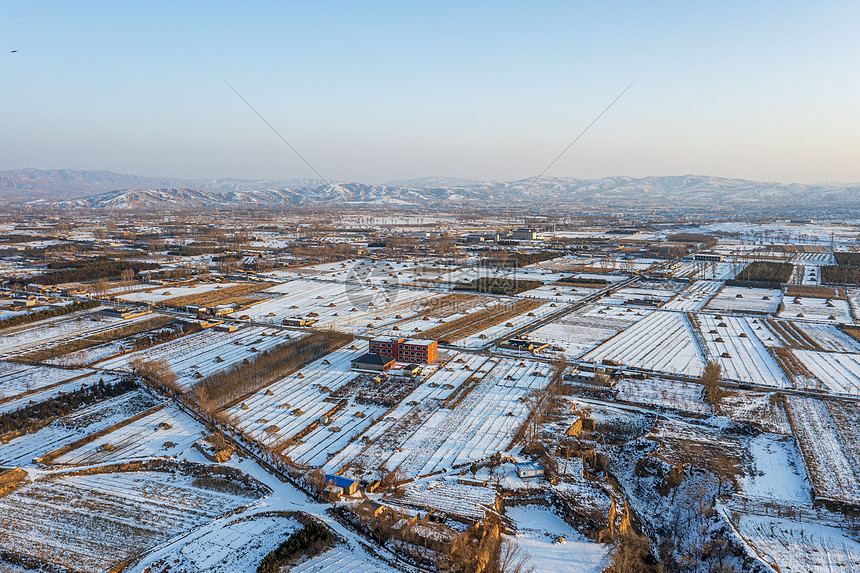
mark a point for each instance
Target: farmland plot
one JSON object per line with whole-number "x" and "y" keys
{"x": 694, "y": 297}
{"x": 382, "y": 439}
{"x": 673, "y": 394}
{"x": 161, "y": 294}
{"x": 482, "y": 422}
{"x": 90, "y": 522}
{"x": 349, "y": 307}
{"x": 197, "y": 355}
{"x": 798, "y": 547}
{"x": 577, "y": 335}
{"x": 733, "y": 343}
{"x": 449, "y": 496}
{"x": 700, "y": 270}
{"x": 662, "y": 341}
{"x": 760, "y": 300}
{"x": 828, "y": 337}
{"x": 840, "y": 373}
{"x": 826, "y": 310}
{"x": 831, "y": 459}
{"x": 168, "y": 431}
{"x": 559, "y": 293}
{"x": 479, "y": 339}
{"x": 340, "y": 559}
{"x": 16, "y": 378}
{"x": 284, "y": 408}
{"x": 23, "y": 449}
{"x": 763, "y": 409}
{"x": 226, "y": 545}
{"x": 52, "y": 332}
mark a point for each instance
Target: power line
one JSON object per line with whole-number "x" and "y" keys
{"x": 276, "y": 132}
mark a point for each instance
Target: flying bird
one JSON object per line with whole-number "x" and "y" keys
{"x": 12, "y": 51}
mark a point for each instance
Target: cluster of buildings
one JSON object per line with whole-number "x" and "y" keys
{"x": 383, "y": 353}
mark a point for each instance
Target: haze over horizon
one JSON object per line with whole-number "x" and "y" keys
{"x": 379, "y": 92}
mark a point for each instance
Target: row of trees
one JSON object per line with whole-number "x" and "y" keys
{"x": 52, "y": 312}
{"x": 224, "y": 386}
{"x": 32, "y": 417}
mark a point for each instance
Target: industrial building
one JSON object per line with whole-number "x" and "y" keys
{"x": 405, "y": 349}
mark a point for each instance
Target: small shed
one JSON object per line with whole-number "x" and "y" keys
{"x": 350, "y": 486}
{"x": 529, "y": 469}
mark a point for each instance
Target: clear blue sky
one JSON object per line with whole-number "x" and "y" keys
{"x": 374, "y": 91}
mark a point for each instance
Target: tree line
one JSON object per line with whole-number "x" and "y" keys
{"x": 48, "y": 313}
{"x": 32, "y": 417}
{"x": 224, "y": 386}
{"x": 90, "y": 271}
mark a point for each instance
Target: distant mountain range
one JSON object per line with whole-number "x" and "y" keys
{"x": 69, "y": 189}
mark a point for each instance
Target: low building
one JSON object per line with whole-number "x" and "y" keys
{"x": 529, "y": 469}
{"x": 372, "y": 363}
{"x": 298, "y": 321}
{"x": 524, "y": 234}
{"x": 349, "y": 486}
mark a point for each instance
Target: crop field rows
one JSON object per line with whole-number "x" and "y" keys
{"x": 53, "y": 332}
{"x": 819, "y": 309}
{"x": 483, "y": 423}
{"x": 743, "y": 299}
{"x": 450, "y": 497}
{"x": 90, "y": 522}
{"x": 694, "y": 297}
{"x": 840, "y": 373}
{"x": 384, "y": 437}
{"x": 166, "y": 432}
{"x": 347, "y": 307}
{"x": 16, "y": 378}
{"x": 798, "y": 547}
{"x": 832, "y": 462}
{"x": 23, "y": 449}
{"x": 197, "y": 355}
{"x": 662, "y": 341}
{"x": 732, "y": 341}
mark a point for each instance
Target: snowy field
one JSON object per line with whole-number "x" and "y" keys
{"x": 830, "y": 310}
{"x": 800, "y": 547}
{"x": 83, "y": 521}
{"x": 197, "y": 355}
{"x": 732, "y": 342}
{"x": 23, "y": 449}
{"x": 660, "y": 393}
{"x": 840, "y": 373}
{"x": 575, "y": 334}
{"x": 662, "y": 342}
{"x": 17, "y": 378}
{"x": 538, "y": 529}
{"x": 694, "y": 297}
{"x": 161, "y": 294}
{"x": 758, "y": 300}
{"x": 167, "y": 432}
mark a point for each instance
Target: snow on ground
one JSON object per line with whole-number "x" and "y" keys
{"x": 574, "y": 334}
{"x": 228, "y": 544}
{"x": 21, "y": 450}
{"x": 51, "y": 332}
{"x": 538, "y": 531}
{"x": 294, "y": 402}
{"x": 559, "y": 293}
{"x": 821, "y": 309}
{"x": 799, "y": 547}
{"x": 751, "y": 300}
{"x": 161, "y": 294}
{"x": 480, "y": 339}
{"x": 340, "y": 560}
{"x": 662, "y": 341}
{"x": 91, "y": 522}
{"x": 732, "y": 342}
{"x": 197, "y": 355}
{"x": 483, "y": 423}
{"x": 828, "y": 336}
{"x": 694, "y": 297}
{"x": 700, "y": 270}
{"x": 839, "y": 372}
{"x": 17, "y": 378}
{"x": 674, "y": 394}
{"x": 166, "y": 432}
{"x": 775, "y": 470}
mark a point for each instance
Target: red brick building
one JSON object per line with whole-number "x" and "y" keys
{"x": 405, "y": 349}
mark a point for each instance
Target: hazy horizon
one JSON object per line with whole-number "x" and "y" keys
{"x": 381, "y": 92}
